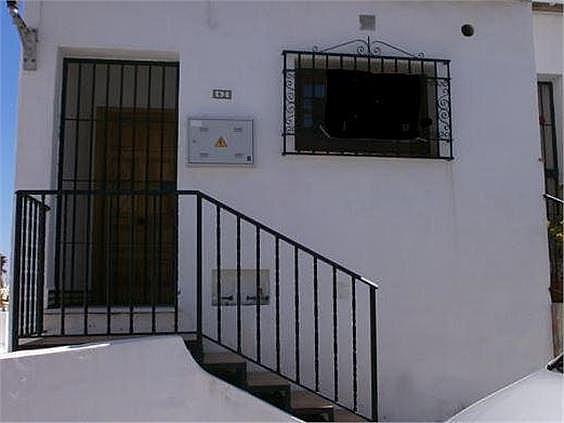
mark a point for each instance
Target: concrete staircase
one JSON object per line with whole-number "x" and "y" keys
{"x": 270, "y": 387}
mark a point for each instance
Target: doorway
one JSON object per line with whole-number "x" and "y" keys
{"x": 117, "y": 219}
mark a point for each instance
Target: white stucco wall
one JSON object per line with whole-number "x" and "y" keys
{"x": 459, "y": 247}
{"x": 145, "y": 379}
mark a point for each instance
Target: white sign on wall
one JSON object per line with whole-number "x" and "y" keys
{"x": 220, "y": 141}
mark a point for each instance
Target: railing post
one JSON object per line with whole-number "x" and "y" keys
{"x": 373, "y": 355}
{"x": 41, "y": 264}
{"x": 199, "y": 268}
{"x": 15, "y": 288}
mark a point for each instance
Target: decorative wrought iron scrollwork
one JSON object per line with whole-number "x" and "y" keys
{"x": 369, "y": 47}
{"x": 443, "y": 109}
{"x": 290, "y": 102}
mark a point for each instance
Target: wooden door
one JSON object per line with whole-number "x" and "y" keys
{"x": 134, "y": 239}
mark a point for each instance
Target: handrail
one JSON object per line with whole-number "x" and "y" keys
{"x": 38, "y": 202}
{"x": 217, "y": 202}
{"x": 287, "y": 239}
{"x": 553, "y": 198}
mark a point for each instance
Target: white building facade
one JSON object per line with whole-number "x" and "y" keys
{"x": 458, "y": 247}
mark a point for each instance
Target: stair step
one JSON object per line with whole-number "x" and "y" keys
{"x": 275, "y": 389}
{"x": 223, "y": 358}
{"x": 307, "y": 400}
{"x": 311, "y": 407}
{"x": 264, "y": 379}
{"x": 270, "y": 388}
{"x": 227, "y": 366}
{"x": 346, "y": 416}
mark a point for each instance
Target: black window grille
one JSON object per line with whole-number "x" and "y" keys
{"x": 417, "y": 98}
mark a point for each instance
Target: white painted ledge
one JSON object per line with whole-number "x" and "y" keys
{"x": 149, "y": 379}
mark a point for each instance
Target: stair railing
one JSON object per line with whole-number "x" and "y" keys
{"x": 310, "y": 295}
{"x": 122, "y": 263}
{"x": 553, "y": 198}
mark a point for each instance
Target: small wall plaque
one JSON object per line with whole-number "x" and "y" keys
{"x": 248, "y": 286}
{"x": 221, "y": 94}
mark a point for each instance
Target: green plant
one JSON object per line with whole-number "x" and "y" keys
{"x": 555, "y": 231}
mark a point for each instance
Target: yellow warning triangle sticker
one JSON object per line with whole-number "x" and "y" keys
{"x": 220, "y": 143}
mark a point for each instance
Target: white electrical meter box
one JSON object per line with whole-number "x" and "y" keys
{"x": 220, "y": 141}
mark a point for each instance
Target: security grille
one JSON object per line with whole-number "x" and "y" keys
{"x": 118, "y": 134}
{"x": 306, "y": 114}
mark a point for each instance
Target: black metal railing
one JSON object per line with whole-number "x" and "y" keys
{"x": 297, "y": 269}
{"x": 29, "y": 259}
{"x": 154, "y": 262}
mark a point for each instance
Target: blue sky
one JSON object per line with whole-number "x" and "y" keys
{"x": 9, "y": 68}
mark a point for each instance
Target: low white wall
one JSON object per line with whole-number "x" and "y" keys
{"x": 151, "y": 379}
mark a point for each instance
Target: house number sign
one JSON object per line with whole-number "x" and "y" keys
{"x": 221, "y": 94}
